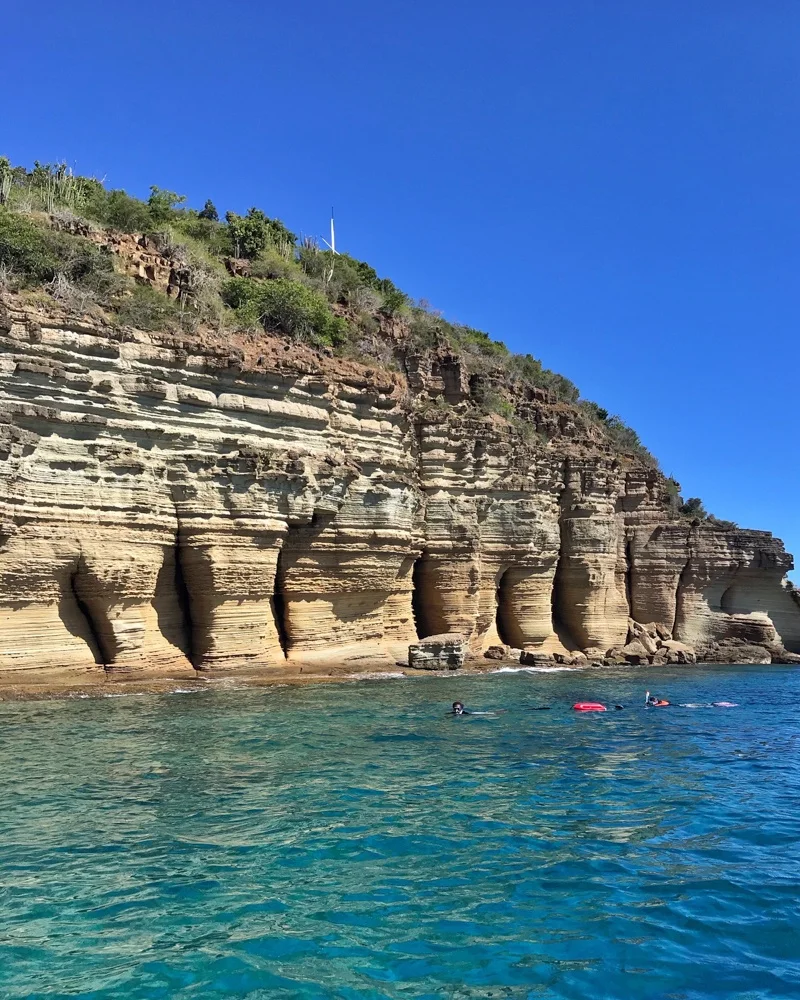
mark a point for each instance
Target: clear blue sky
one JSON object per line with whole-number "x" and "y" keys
{"x": 613, "y": 186}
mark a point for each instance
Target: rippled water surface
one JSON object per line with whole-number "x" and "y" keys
{"x": 351, "y": 841}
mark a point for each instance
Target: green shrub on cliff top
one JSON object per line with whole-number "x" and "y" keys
{"x": 163, "y": 204}
{"x": 252, "y": 233}
{"x": 694, "y": 508}
{"x": 526, "y": 368}
{"x": 347, "y": 280}
{"x": 626, "y": 440}
{"x": 479, "y": 344}
{"x": 285, "y": 306}
{"x": 272, "y": 264}
{"x": 394, "y": 302}
{"x": 596, "y": 413}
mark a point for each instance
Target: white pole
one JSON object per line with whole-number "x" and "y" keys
{"x": 333, "y": 234}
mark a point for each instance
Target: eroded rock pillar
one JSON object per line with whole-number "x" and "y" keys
{"x": 346, "y": 578}
{"x": 588, "y": 601}
{"x": 230, "y": 578}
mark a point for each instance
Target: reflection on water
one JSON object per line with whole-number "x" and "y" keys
{"x": 353, "y": 841}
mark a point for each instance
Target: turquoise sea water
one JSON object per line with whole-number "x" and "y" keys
{"x": 350, "y": 841}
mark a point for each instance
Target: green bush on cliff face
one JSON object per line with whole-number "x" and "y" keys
{"x": 597, "y": 413}
{"x": 147, "y": 309}
{"x": 252, "y": 233}
{"x": 348, "y": 281}
{"x": 272, "y": 264}
{"x": 285, "y": 306}
{"x": 530, "y": 371}
{"x": 721, "y": 522}
{"x": 481, "y": 351}
{"x": 119, "y": 211}
{"x": 426, "y": 330}
{"x": 673, "y": 493}
{"x": 694, "y": 508}
{"x": 394, "y": 302}
{"x": 163, "y": 204}
{"x": 37, "y": 254}
{"x": 213, "y": 235}
{"x": 626, "y": 440}
{"x": 493, "y": 402}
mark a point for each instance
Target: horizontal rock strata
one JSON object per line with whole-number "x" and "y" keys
{"x": 438, "y": 652}
{"x": 170, "y": 505}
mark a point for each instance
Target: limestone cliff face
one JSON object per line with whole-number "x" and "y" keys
{"x": 169, "y": 505}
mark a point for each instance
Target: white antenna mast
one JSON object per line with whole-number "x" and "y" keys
{"x": 332, "y": 245}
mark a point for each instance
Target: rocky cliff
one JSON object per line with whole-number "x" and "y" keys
{"x": 170, "y": 504}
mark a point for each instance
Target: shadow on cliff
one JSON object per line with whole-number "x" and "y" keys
{"x": 426, "y": 600}
{"x": 76, "y": 614}
{"x": 172, "y": 604}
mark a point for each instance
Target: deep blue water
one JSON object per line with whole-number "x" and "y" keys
{"x": 350, "y": 841}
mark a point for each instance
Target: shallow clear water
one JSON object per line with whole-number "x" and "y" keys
{"x": 350, "y": 841}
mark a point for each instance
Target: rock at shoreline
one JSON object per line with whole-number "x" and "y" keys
{"x": 636, "y": 652}
{"x": 650, "y": 648}
{"x": 438, "y": 652}
{"x": 679, "y": 652}
{"x": 786, "y": 657}
{"x": 735, "y": 652}
{"x": 531, "y": 658}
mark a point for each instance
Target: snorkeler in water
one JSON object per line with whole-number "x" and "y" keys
{"x": 652, "y": 702}
{"x": 458, "y": 709}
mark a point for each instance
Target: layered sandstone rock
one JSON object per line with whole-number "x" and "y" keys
{"x": 438, "y": 652}
{"x": 172, "y": 504}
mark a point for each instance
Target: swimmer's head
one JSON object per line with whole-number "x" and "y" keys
{"x": 458, "y": 708}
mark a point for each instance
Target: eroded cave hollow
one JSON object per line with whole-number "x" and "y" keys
{"x": 278, "y": 602}
{"x": 425, "y": 601}
{"x": 172, "y": 602}
{"x": 92, "y": 603}
{"x": 559, "y": 596}
{"x": 77, "y": 617}
{"x": 508, "y": 628}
